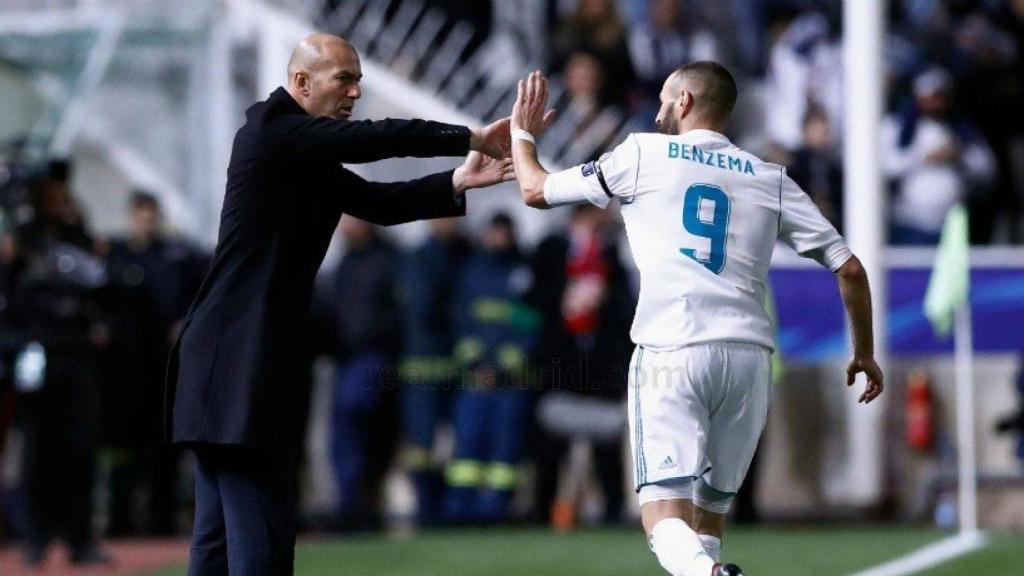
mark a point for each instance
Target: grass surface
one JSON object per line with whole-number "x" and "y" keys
{"x": 1003, "y": 555}
{"x": 763, "y": 551}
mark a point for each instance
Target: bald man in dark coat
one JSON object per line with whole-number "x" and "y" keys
{"x": 231, "y": 393}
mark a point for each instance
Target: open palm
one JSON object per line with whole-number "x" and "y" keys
{"x": 480, "y": 170}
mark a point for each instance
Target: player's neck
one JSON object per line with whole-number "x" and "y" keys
{"x": 685, "y": 127}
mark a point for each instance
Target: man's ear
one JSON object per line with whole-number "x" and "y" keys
{"x": 684, "y": 103}
{"x": 301, "y": 81}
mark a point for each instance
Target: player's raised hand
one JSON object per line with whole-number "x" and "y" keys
{"x": 874, "y": 375}
{"x": 530, "y": 112}
{"x": 480, "y": 171}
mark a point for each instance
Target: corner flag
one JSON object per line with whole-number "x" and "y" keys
{"x": 950, "y": 280}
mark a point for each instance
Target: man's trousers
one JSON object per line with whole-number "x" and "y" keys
{"x": 245, "y": 514}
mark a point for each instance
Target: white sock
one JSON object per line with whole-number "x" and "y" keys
{"x": 712, "y": 545}
{"x": 679, "y": 549}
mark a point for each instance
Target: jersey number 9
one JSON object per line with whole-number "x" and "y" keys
{"x": 706, "y": 214}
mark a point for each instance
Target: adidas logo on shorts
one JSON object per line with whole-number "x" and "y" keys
{"x": 667, "y": 463}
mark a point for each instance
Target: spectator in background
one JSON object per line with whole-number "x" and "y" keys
{"x": 364, "y": 412}
{"x": 55, "y": 307}
{"x": 935, "y": 159}
{"x": 667, "y": 40}
{"x": 582, "y": 293}
{"x": 495, "y": 331}
{"x": 585, "y": 83}
{"x": 9, "y": 345}
{"x": 595, "y": 28}
{"x": 153, "y": 278}
{"x": 825, "y": 77}
{"x": 580, "y": 108}
{"x": 1011, "y": 156}
{"x": 743, "y": 28}
{"x": 794, "y": 38}
{"x": 982, "y": 44}
{"x": 816, "y": 167}
{"x": 988, "y": 51}
{"x": 429, "y": 277}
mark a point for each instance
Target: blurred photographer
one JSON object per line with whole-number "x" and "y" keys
{"x": 55, "y": 282}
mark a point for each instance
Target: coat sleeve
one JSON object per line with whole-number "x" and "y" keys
{"x": 367, "y": 140}
{"x": 388, "y": 203}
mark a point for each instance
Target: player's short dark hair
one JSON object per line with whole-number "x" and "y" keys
{"x": 717, "y": 87}
{"x": 142, "y": 199}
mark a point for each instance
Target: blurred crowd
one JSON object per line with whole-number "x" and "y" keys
{"x": 501, "y": 344}
{"x": 85, "y": 327}
{"x": 954, "y": 89}
{"x": 954, "y": 129}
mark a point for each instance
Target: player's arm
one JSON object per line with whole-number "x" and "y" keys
{"x": 529, "y": 119}
{"x": 856, "y": 293}
{"x": 531, "y": 175}
{"x": 802, "y": 226}
{"x": 614, "y": 175}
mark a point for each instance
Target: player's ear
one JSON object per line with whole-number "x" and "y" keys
{"x": 684, "y": 103}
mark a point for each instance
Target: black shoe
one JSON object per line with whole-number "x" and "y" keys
{"x": 726, "y": 570}
{"x": 90, "y": 556}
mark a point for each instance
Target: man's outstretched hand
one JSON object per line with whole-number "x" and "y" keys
{"x": 479, "y": 171}
{"x": 493, "y": 140}
{"x": 874, "y": 374}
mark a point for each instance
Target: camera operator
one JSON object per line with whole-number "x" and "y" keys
{"x": 55, "y": 289}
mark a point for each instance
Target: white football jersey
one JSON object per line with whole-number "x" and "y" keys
{"x": 702, "y": 217}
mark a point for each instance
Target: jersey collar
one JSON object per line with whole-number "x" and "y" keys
{"x": 704, "y": 134}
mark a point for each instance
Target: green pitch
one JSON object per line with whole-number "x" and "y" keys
{"x": 763, "y": 551}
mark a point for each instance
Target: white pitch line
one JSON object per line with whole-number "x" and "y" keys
{"x": 929, "y": 556}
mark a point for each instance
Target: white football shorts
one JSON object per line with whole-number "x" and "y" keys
{"x": 696, "y": 413}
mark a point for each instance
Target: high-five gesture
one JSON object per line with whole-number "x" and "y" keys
{"x": 528, "y": 113}
{"x": 493, "y": 140}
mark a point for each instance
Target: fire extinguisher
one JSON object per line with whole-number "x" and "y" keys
{"x": 920, "y": 429}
